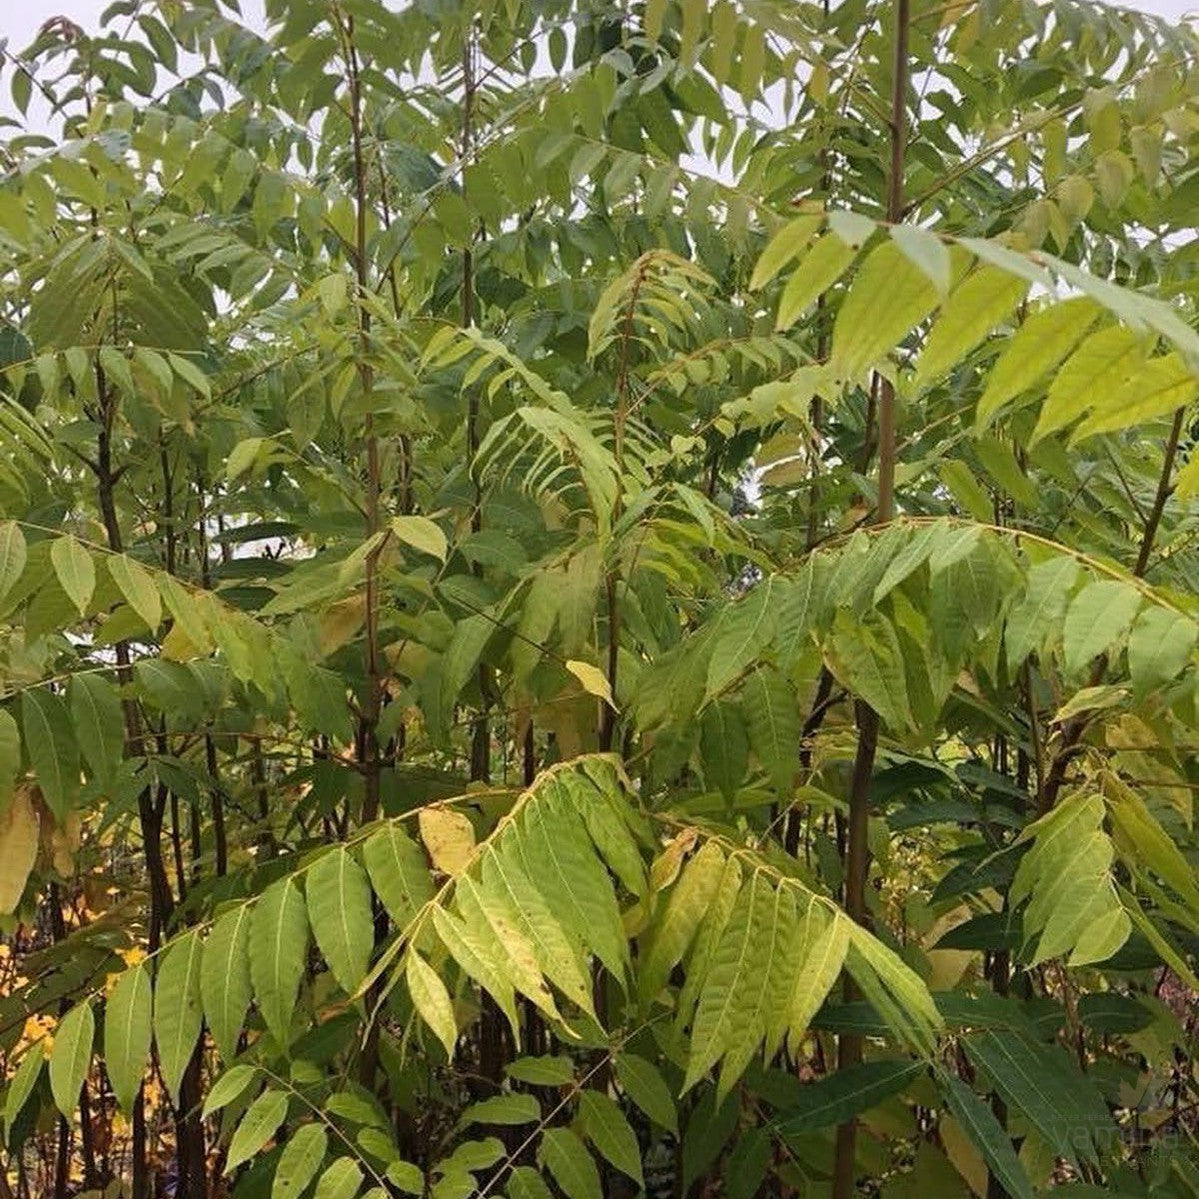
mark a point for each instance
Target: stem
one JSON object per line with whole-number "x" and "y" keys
{"x": 1073, "y": 730}
{"x": 857, "y": 854}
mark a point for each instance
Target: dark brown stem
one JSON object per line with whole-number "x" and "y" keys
{"x": 1164, "y": 489}
{"x": 857, "y": 853}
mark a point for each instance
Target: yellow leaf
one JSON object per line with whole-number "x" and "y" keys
{"x": 18, "y": 848}
{"x": 594, "y": 680}
{"x": 449, "y": 837}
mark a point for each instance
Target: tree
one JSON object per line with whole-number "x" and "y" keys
{"x": 599, "y": 599}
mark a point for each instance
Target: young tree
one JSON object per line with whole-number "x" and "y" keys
{"x": 599, "y": 599}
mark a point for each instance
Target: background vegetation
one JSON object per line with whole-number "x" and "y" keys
{"x": 599, "y": 599}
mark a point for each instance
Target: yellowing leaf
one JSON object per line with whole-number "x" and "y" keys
{"x": 18, "y": 848}
{"x": 421, "y": 533}
{"x": 449, "y": 837}
{"x": 431, "y": 1000}
{"x": 594, "y": 681}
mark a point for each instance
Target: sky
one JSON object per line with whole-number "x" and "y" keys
{"x": 20, "y": 19}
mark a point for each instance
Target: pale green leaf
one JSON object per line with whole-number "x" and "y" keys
{"x": 12, "y": 555}
{"x": 278, "y": 955}
{"x": 178, "y": 1014}
{"x": 99, "y": 724}
{"x": 1037, "y": 347}
{"x": 818, "y": 270}
{"x": 422, "y": 534}
{"x": 225, "y": 979}
{"x": 431, "y": 1000}
{"x": 75, "y": 571}
{"x": 1098, "y": 615}
{"x": 339, "y": 910}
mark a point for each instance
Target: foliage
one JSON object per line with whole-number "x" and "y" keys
{"x": 478, "y": 718}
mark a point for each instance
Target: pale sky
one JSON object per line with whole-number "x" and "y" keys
{"x": 20, "y": 19}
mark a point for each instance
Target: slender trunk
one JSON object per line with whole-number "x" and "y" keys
{"x": 150, "y": 805}
{"x": 857, "y": 856}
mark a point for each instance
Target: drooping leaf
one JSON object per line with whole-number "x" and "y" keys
{"x": 128, "y": 1028}
{"x": 339, "y": 910}
{"x": 989, "y": 1136}
{"x": 178, "y": 1011}
{"x": 225, "y": 985}
{"x": 300, "y": 1160}
{"x": 71, "y": 1056}
{"x": 278, "y": 945}
{"x": 19, "y": 834}
{"x": 75, "y": 571}
{"x": 257, "y": 1126}
{"x": 572, "y": 1167}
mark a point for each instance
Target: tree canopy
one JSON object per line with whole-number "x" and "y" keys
{"x": 599, "y": 600}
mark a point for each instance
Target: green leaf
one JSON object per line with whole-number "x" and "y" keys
{"x": 431, "y": 1000}
{"x": 1099, "y": 614}
{"x": 258, "y": 1125}
{"x": 980, "y": 302}
{"x": 137, "y": 585}
{"x": 1037, "y": 616}
{"x": 744, "y": 630}
{"x": 422, "y": 534}
{"x": 525, "y": 1183}
{"x": 789, "y": 242}
{"x": 1039, "y": 345}
{"x": 22, "y": 1084}
{"x": 572, "y": 1167}
{"x": 339, "y": 910}
{"x": 772, "y": 717}
{"x": 299, "y": 1161}
{"x": 1160, "y": 647}
{"x": 127, "y": 1033}
{"x": 398, "y": 872}
{"x": 225, "y": 985}
{"x": 865, "y": 657}
{"x": 50, "y": 744}
{"x": 840, "y": 1096}
{"x": 818, "y": 270}
{"x": 178, "y": 1015}
{"x": 1038, "y": 1080}
{"x": 986, "y": 1132}
{"x": 542, "y": 1071}
{"x": 340, "y": 1181}
{"x": 231, "y": 1084}
{"x": 12, "y": 556}
{"x": 278, "y": 950}
{"x": 407, "y": 1177}
{"x": 642, "y": 1082}
{"x": 889, "y": 297}
{"x": 724, "y": 747}
{"x": 99, "y": 725}
{"x": 75, "y": 571}
{"x": 502, "y": 1109}
{"x": 71, "y": 1056}
{"x": 605, "y": 1126}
